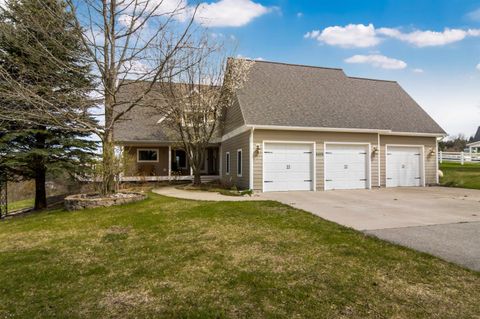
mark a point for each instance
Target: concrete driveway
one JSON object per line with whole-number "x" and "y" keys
{"x": 441, "y": 221}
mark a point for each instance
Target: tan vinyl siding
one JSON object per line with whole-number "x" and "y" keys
{"x": 241, "y": 141}
{"x": 259, "y": 136}
{"x": 134, "y": 168}
{"x": 429, "y": 143}
{"x": 233, "y": 118}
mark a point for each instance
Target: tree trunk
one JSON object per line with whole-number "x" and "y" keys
{"x": 40, "y": 172}
{"x": 196, "y": 160}
{"x": 197, "y": 180}
{"x": 108, "y": 146}
{"x": 108, "y": 162}
{"x": 40, "y": 190}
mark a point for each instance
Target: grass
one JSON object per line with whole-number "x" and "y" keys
{"x": 169, "y": 258}
{"x": 21, "y": 204}
{"x": 457, "y": 175}
{"x": 216, "y": 188}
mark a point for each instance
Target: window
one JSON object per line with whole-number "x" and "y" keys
{"x": 227, "y": 163}
{"x": 180, "y": 159}
{"x": 147, "y": 155}
{"x": 239, "y": 163}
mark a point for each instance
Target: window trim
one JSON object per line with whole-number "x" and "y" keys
{"x": 148, "y": 149}
{"x": 227, "y": 163}
{"x": 240, "y": 151}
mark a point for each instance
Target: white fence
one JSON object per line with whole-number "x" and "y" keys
{"x": 459, "y": 157}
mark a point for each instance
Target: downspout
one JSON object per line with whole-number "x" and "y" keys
{"x": 250, "y": 169}
{"x": 379, "y": 157}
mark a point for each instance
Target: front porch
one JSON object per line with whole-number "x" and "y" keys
{"x": 151, "y": 163}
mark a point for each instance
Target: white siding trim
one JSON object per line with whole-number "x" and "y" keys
{"x": 339, "y": 130}
{"x": 437, "y": 179}
{"x": 169, "y": 161}
{"x": 379, "y": 158}
{"x": 250, "y": 161}
{"x": 235, "y": 132}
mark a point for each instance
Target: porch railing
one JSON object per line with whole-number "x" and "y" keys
{"x": 205, "y": 178}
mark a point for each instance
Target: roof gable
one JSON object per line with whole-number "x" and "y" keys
{"x": 476, "y": 138}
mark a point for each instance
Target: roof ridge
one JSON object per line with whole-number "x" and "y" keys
{"x": 370, "y": 79}
{"x": 296, "y": 64}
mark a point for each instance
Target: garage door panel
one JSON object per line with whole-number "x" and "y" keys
{"x": 403, "y": 166}
{"x": 288, "y": 166}
{"x": 346, "y": 166}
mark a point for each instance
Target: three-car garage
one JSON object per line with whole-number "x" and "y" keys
{"x": 292, "y": 166}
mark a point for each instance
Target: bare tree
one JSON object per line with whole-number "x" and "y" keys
{"x": 197, "y": 97}
{"x": 128, "y": 42}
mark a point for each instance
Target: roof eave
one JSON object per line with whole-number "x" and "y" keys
{"x": 343, "y": 130}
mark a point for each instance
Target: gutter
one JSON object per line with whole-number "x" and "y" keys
{"x": 342, "y": 130}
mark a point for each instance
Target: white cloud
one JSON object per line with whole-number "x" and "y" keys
{"x": 378, "y": 61}
{"x": 473, "y": 32}
{"x": 428, "y": 38}
{"x": 240, "y": 56}
{"x": 350, "y": 36}
{"x": 135, "y": 68}
{"x": 126, "y": 21}
{"x": 478, "y": 67}
{"x": 362, "y": 36}
{"x": 418, "y": 70}
{"x": 474, "y": 15}
{"x": 299, "y": 14}
{"x": 223, "y": 13}
{"x": 229, "y": 13}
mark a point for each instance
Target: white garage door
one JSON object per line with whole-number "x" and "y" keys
{"x": 404, "y": 166}
{"x": 287, "y": 167}
{"x": 346, "y": 166}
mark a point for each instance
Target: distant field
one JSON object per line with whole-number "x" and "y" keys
{"x": 457, "y": 175}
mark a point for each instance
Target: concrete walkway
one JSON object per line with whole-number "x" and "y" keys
{"x": 202, "y": 195}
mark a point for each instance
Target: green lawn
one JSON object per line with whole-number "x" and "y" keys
{"x": 21, "y": 204}
{"x": 457, "y": 175}
{"x": 167, "y": 258}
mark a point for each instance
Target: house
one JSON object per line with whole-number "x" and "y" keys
{"x": 298, "y": 127}
{"x": 474, "y": 145}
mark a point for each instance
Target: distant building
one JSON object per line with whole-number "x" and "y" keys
{"x": 474, "y": 146}
{"x": 476, "y": 138}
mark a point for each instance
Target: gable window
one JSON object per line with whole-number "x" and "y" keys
{"x": 239, "y": 163}
{"x": 227, "y": 163}
{"x": 147, "y": 155}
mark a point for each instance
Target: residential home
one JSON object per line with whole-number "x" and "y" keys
{"x": 297, "y": 127}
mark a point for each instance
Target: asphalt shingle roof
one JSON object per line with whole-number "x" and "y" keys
{"x": 296, "y": 95}
{"x": 283, "y": 94}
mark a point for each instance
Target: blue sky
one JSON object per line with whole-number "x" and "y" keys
{"x": 432, "y": 48}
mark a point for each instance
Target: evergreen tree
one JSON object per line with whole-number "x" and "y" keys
{"x": 44, "y": 89}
